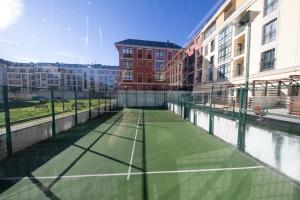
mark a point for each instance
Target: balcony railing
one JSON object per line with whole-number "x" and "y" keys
{"x": 239, "y": 52}
{"x": 240, "y": 29}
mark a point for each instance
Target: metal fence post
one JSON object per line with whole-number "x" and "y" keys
{"x": 90, "y": 106}
{"x": 126, "y": 98}
{"x": 110, "y": 101}
{"x": 211, "y": 117}
{"x": 53, "y": 113}
{"x": 105, "y": 101}
{"x": 164, "y": 101}
{"x": 98, "y": 102}
{"x": 242, "y": 122}
{"x": 76, "y": 108}
{"x": 155, "y": 98}
{"x": 7, "y": 120}
{"x": 63, "y": 99}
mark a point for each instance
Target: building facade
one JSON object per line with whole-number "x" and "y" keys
{"x": 60, "y": 76}
{"x": 184, "y": 70}
{"x": 173, "y": 71}
{"x": 262, "y": 33}
{"x": 141, "y": 63}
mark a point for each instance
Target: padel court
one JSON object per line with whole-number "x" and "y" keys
{"x": 139, "y": 154}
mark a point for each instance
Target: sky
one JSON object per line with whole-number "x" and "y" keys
{"x": 84, "y": 31}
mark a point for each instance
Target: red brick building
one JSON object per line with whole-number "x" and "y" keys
{"x": 173, "y": 71}
{"x": 184, "y": 70}
{"x": 141, "y": 63}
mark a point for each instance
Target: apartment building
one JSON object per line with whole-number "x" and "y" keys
{"x": 59, "y": 76}
{"x": 184, "y": 70}
{"x": 173, "y": 71}
{"x": 263, "y": 33}
{"x": 141, "y": 63}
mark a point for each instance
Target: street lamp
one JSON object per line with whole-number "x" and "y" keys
{"x": 246, "y": 19}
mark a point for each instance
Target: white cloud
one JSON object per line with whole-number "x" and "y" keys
{"x": 69, "y": 28}
{"x": 9, "y": 41}
{"x": 10, "y": 11}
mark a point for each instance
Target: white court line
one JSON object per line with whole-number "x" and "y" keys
{"x": 132, "y": 152}
{"x": 133, "y": 173}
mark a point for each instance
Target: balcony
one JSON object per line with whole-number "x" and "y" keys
{"x": 239, "y": 30}
{"x": 239, "y": 52}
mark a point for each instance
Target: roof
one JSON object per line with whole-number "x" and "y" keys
{"x": 148, "y": 43}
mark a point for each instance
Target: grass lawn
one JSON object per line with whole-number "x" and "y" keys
{"x": 20, "y": 111}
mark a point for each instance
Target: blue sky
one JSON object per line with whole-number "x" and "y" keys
{"x": 84, "y": 31}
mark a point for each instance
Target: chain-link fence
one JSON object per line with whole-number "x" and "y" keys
{"x": 21, "y": 108}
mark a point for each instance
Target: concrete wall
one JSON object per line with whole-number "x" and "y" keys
{"x": 141, "y": 98}
{"x": 277, "y": 149}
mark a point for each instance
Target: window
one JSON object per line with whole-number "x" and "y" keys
{"x": 269, "y": 32}
{"x": 210, "y": 74}
{"x": 270, "y": 5}
{"x": 268, "y": 60}
{"x": 127, "y": 52}
{"x": 127, "y": 64}
{"x": 212, "y": 61}
{"x": 149, "y": 78}
{"x": 128, "y": 76}
{"x": 149, "y": 64}
{"x": 210, "y": 30}
{"x": 212, "y": 46}
{"x": 149, "y": 54}
{"x": 140, "y": 64}
{"x": 206, "y": 50}
{"x": 159, "y": 65}
{"x": 170, "y": 55}
{"x": 140, "y": 78}
{"x": 158, "y": 76}
{"x": 160, "y": 54}
{"x": 223, "y": 72}
{"x": 140, "y": 53}
{"x": 225, "y": 44}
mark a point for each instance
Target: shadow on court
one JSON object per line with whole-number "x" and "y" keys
{"x": 24, "y": 163}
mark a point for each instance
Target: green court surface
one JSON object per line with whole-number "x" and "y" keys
{"x": 139, "y": 154}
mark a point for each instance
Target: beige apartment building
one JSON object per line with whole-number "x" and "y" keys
{"x": 265, "y": 33}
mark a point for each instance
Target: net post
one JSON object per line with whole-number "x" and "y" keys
{"x": 7, "y": 120}
{"x": 53, "y": 112}
{"x": 75, "y": 106}
{"x": 90, "y": 105}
